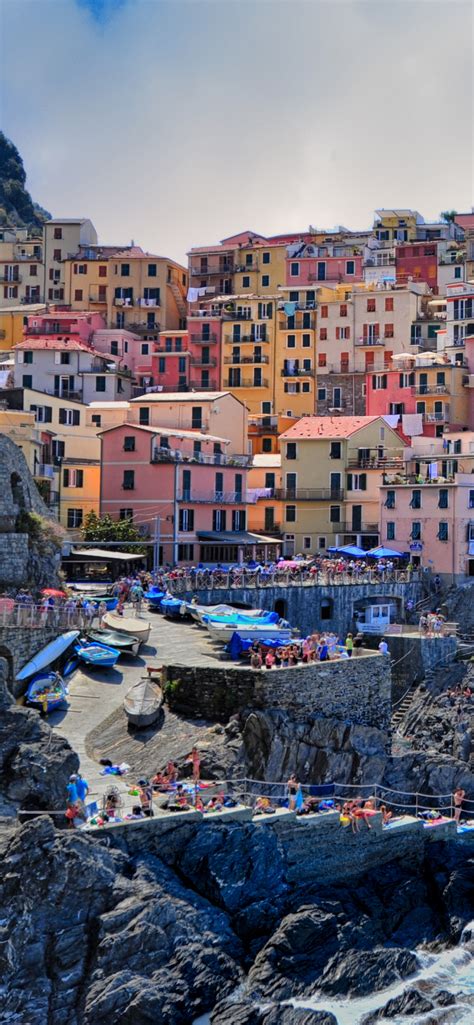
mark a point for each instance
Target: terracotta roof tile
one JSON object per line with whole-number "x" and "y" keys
{"x": 327, "y": 427}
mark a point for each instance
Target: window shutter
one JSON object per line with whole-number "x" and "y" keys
{"x": 62, "y": 416}
{"x": 79, "y": 478}
{"x": 365, "y": 330}
{"x": 374, "y": 382}
{"x": 349, "y": 481}
{"x": 66, "y": 478}
{"x": 363, "y": 482}
{"x": 33, "y": 409}
{"x": 75, "y": 418}
{"x": 412, "y": 378}
{"x": 377, "y": 330}
{"x": 57, "y": 357}
{"x": 21, "y": 357}
{"x": 401, "y": 381}
{"x": 384, "y": 380}
{"x": 48, "y": 414}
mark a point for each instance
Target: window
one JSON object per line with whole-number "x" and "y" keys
{"x": 196, "y": 417}
{"x": 186, "y": 519}
{"x": 350, "y": 267}
{"x": 371, "y": 306}
{"x": 335, "y": 450}
{"x": 415, "y": 334}
{"x": 389, "y": 304}
{"x": 125, "y": 270}
{"x": 269, "y": 514}
{"x": 270, "y": 480}
{"x": 266, "y": 444}
{"x": 239, "y": 519}
{"x": 337, "y": 398}
{"x": 103, "y": 271}
{"x": 78, "y": 294}
{"x": 357, "y": 482}
{"x": 294, "y": 270}
{"x": 152, "y": 270}
{"x": 416, "y": 530}
{"x": 128, "y": 483}
{"x": 443, "y": 531}
{"x": 129, "y": 443}
{"x": 182, "y": 365}
{"x": 307, "y": 543}
{"x": 43, "y": 414}
{"x": 406, "y": 380}
{"x": 125, "y": 514}
{"x": 390, "y": 500}
{"x": 246, "y": 281}
{"x": 291, "y": 341}
{"x": 144, "y": 348}
{"x": 321, "y": 542}
{"x": 96, "y": 419}
{"x": 33, "y": 270}
{"x": 265, "y": 257}
{"x": 415, "y": 499}
{"x": 265, "y": 280}
{"x": 161, "y": 365}
{"x": 73, "y": 478}
{"x": 321, "y": 359}
{"x": 343, "y": 310}
{"x": 27, "y": 357}
{"x": 321, "y": 395}
{"x": 323, "y": 334}
{"x": 58, "y": 233}
{"x": 185, "y": 553}
{"x": 70, "y": 417}
{"x": 57, "y": 254}
{"x": 291, "y": 450}
{"x": 471, "y": 499}
{"x": 379, "y": 381}
{"x": 306, "y": 387}
{"x": 219, "y": 519}
{"x": 335, "y": 514}
{"x": 100, "y": 384}
{"x": 65, "y": 357}
{"x": 81, "y": 268}
{"x": 457, "y": 272}
{"x": 324, "y": 311}
{"x": 74, "y": 518}
{"x": 390, "y": 530}
{"x": 290, "y": 513}
{"x": 443, "y": 501}
{"x": 388, "y": 331}
{"x": 306, "y": 341}
{"x": 27, "y": 381}
{"x": 144, "y": 416}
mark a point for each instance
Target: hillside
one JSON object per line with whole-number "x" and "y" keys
{"x": 16, "y": 205}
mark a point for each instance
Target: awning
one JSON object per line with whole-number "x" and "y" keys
{"x": 384, "y": 553}
{"x": 83, "y": 554}
{"x": 242, "y": 537}
{"x": 353, "y": 551}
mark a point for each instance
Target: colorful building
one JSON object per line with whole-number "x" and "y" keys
{"x": 264, "y": 502}
{"x": 21, "y": 267}
{"x": 428, "y": 384}
{"x": 332, "y": 468}
{"x": 12, "y": 323}
{"x": 62, "y": 237}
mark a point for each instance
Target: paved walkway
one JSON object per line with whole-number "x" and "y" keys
{"x": 95, "y": 694}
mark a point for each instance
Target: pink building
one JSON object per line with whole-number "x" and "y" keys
{"x": 180, "y": 483}
{"x": 204, "y": 344}
{"x": 170, "y": 362}
{"x": 313, "y": 264}
{"x": 81, "y": 325}
{"x": 433, "y": 521}
{"x": 134, "y": 352}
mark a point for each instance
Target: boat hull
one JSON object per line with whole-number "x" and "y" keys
{"x": 99, "y": 655}
{"x": 48, "y": 654}
{"x": 222, "y": 632}
{"x": 46, "y": 692}
{"x": 136, "y": 627}
{"x": 142, "y": 703}
{"x": 124, "y": 643}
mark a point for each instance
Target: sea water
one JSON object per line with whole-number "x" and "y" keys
{"x": 452, "y": 970}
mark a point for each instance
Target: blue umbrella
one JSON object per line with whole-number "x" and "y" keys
{"x": 352, "y": 550}
{"x": 384, "y": 553}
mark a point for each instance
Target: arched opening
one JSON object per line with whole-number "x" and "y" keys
{"x": 327, "y": 606}
{"x": 280, "y": 607}
{"x": 16, "y": 485}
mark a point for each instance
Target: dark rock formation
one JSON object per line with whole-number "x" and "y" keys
{"x": 229, "y": 1013}
{"x": 356, "y": 973}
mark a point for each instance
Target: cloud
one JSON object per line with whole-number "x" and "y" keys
{"x": 178, "y": 123}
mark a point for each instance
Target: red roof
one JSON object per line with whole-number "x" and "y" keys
{"x": 46, "y": 342}
{"x": 327, "y": 427}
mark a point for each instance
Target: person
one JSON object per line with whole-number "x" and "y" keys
{"x": 256, "y": 660}
{"x": 458, "y": 797}
{"x": 292, "y": 791}
{"x": 136, "y": 812}
{"x": 383, "y": 647}
{"x": 71, "y": 789}
{"x": 136, "y": 595}
{"x": 269, "y": 659}
{"x": 386, "y": 814}
{"x": 358, "y": 642}
{"x": 349, "y": 645}
{"x": 323, "y": 651}
{"x": 196, "y": 760}
{"x": 82, "y": 789}
{"x": 145, "y": 792}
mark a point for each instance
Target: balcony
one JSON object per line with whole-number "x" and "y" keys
{"x": 437, "y": 418}
{"x": 210, "y": 270}
{"x": 61, "y": 330}
{"x": 209, "y": 339}
{"x": 44, "y": 471}
{"x": 142, "y": 328}
{"x": 297, "y": 326}
{"x": 11, "y": 281}
{"x": 148, "y": 303}
{"x": 245, "y": 340}
{"x": 162, "y": 454}
{"x": 198, "y": 386}
{"x": 369, "y": 342}
{"x": 75, "y": 396}
{"x": 298, "y": 306}
{"x": 247, "y": 383}
{"x": 126, "y": 303}
{"x": 107, "y": 368}
{"x": 298, "y": 372}
{"x": 375, "y": 462}
{"x": 28, "y": 257}
{"x": 430, "y": 389}
{"x": 27, "y": 300}
{"x": 97, "y": 297}
{"x": 165, "y": 350}
{"x": 198, "y": 361}
{"x": 264, "y": 424}
{"x": 236, "y": 314}
{"x": 213, "y": 497}
{"x": 245, "y": 268}
{"x": 235, "y": 360}
{"x": 309, "y": 494}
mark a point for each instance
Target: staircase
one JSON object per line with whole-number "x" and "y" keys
{"x": 179, "y": 299}
{"x": 402, "y": 707}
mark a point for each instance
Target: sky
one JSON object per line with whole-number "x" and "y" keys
{"x": 180, "y": 122}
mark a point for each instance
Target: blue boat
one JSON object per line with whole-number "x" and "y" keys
{"x": 46, "y": 692}
{"x": 267, "y": 619}
{"x": 96, "y": 654}
{"x": 107, "y": 600}
{"x": 171, "y": 607}
{"x": 154, "y": 597}
{"x": 71, "y": 666}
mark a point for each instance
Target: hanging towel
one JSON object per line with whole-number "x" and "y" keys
{"x": 412, "y": 424}
{"x": 290, "y": 309}
{"x": 193, "y": 295}
{"x": 391, "y": 419}
{"x": 433, "y": 471}
{"x": 202, "y": 291}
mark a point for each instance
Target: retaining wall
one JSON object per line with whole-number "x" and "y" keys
{"x": 14, "y": 558}
{"x": 19, "y": 644}
{"x": 414, "y": 656}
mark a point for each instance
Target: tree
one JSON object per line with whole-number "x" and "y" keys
{"x": 448, "y": 215}
{"x": 99, "y": 530}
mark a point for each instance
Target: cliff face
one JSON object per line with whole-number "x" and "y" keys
{"x": 16, "y": 205}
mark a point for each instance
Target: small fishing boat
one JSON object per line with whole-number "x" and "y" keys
{"x": 71, "y": 666}
{"x": 48, "y": 654}
{"x": 46, "y": 692}
{"x": 199, "y": 611}
{"x": 97, "y": 655}
{"x": 142, "y": 703}
{"x": 171, "y": 607}
{"x": 222, "y": 632}
{"x": 102, "y": 599}
{"x": 137, "y": 627}
{"x": 238, "y": 618}
{"x": 154, "y": 597}
{"x": 115, "y": 639}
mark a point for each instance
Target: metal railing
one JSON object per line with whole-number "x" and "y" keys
{"x": 186, "y": 581}
{"x": 310, "y": 495}
{"x": 39, "y": 617}
{"x": 369, "y": 341}
{"x": 436, "y": 418}
{"x": 230, "y": 340}
{"x": 298, "y": 372}
{"x": 45, "y": 470}
{"x": 247, "y": 383}
{"x": 264, "y": 424}
{"x": 243, "y": 268}
{"x": 203, "y": 339}
{"x": 211, "y": 269}
{"x": 173, "y": 455}
{"x": 430, "y": 389}
{"x": 198, "y": 361}
{"x": 236, "y": 360}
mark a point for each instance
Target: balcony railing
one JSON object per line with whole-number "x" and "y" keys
{"x": 298, "y": 372}
{"x": 74, "y": 395}
{"x": 173, "y": 455}
{"x": 99, "y": 368}
{"x": 375, "y": 463}
{"x": 370, "y": 341}
{"x": 149, "y": 303}
{"x": 236, "y": 314}
{"x": 264, "y": 424}
{"x": 214, "y": 497}
{"x": 245, "y": 268}
{"x": 245, "y": 339}
{"x": 44, "y": 471}
{"x": 311, "y": 305}
{"x": 96, "y": 297}
{"x": 310, "y": 494}
{"x": 437, "y": 418}
{"x": 203, "y": 339}
{"x": 11, "y": 281}
{"x": 198, "y": 386}
{"x": 247, "y": 383}
{"x": 127, "y": 303}
{"x": 211, "y": 269}
{"x": 49, "y": 329}
{"x": 430, "y": 389}
{"x": 198, "y": 361}
{"x": 235, "y": 360}
{"x": 141, "y": 328}
{"x": 27, "y": 300}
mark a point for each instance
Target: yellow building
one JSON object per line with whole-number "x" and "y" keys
{"x": 248, "y": 325}
{"x": 12, "y": 322}
{"x": 265, "y": 506}
{"x": 332, "y": 469}
{"x": 21, "y": 428}
{"x": 21, "y": 267}
{"x": 392, "y": 226}
{"x": 295, "y": 352}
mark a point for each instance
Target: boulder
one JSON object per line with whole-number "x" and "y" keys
{"x": 358, "y": 973}
{"x": 295, "y": 956}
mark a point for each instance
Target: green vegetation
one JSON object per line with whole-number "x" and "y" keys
{"x": 99, "y": 529}
{"x": 43, "y": 534}
{"x": 17, "y": 208}
{"x": 448, "y": 215}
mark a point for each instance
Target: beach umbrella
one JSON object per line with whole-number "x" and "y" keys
{"x": 51, "y": 592}
{"x": 353, "y": 551}
{"x": 384, "y": 553}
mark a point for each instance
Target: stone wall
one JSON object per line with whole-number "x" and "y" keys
{"x": 302, "y": 604}
{"x": 23, "y": 561}
{"x": 413, "y": 657}
{"x": 18, "y": 645}
{"x": 352, "y": 393}
{"x": 14, "y": 559}
{"x": 357, "y": 691}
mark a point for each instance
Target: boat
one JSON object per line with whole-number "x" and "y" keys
{"x": 115, "y": 639}
{"x": 48, "y": 654}
{"x": 171, "y": 607}
{"x": 97, "y": 655}
{"x": 46, "y": 691}
{"x": 222, "y": 632}
{"x": 105, "y": 599}
{"x": 71, "y": 665}
{"x": 154, "y": 597}
{"x": 199, "y": 611}
{"x": 237, "y": 618}
{"x": 142, "y": 703}
{"x": 136, "y": 627}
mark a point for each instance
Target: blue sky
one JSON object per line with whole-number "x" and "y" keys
{"x": 178, "y": 123}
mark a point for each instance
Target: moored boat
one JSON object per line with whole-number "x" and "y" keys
{"x": 199, "y": 611}
{"x": 46, "y": 691}
{"x": 115, "y": 639}
{"x": 47, "y": 655}
{"x": 237, "y": 618}
{"x": 171, "y": 607}
{"x": 222, "y": 632}
{"x": 97, "y": 655}
{"x": 136, "y": 627}
{"x": 142, "y": 703}
{"x": 154, "y": 597}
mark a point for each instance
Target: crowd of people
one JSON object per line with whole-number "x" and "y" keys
{"x": 316, "y": 647}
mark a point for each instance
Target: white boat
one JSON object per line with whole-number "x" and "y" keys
{"x": 199, "y": 611}
{"x": 223, "y": 631}
{"x": 48, "y": 655}
{"x": 142, "y": 703}
{"x": 139, "y": 628}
